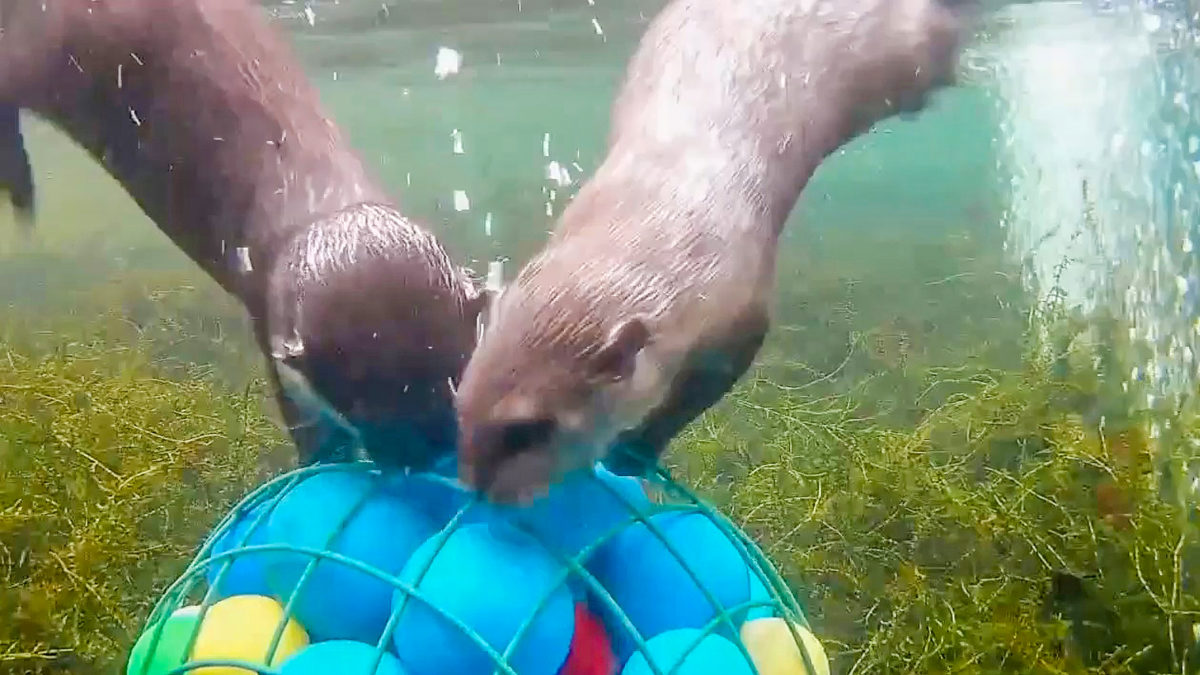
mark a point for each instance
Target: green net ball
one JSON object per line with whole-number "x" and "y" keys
{"x": 605, "y": 574}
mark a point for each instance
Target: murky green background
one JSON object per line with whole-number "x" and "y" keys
{"x": 889, "y": 230}
{"x": 922, "y": 482}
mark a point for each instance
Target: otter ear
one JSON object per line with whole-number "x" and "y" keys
{"x": 618, "y": 357}
{"x": 281, "y": 325}
{"x": 285, "y": 344}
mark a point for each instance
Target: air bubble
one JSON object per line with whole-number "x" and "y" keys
{"x": 448, "y": 62}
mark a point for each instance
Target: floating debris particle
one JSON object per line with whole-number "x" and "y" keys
{"x": 558, "y": 174}
{"x": 495, "y": 275}
{"x": 448, "y": 63}
{"x": 456, "y": 136}
{"x": 461, "y": 203}
{"x": 243, "y": 259}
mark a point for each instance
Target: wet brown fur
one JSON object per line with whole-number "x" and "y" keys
{"x": 202, "y": 112}
{"x": 650, "y": 299}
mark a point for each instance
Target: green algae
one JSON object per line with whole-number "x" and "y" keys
{"x": 112, "y": 470}
{"x": 1020, "y": 525}
{"x": 980, "y": 496}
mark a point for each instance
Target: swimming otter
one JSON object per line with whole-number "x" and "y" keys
{"x": 651, "y": 297}
{"x": 204, "y": 115}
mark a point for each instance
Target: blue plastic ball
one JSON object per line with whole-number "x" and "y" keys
{"x": 431, "y": 493}
{"x": 247, "y": 571}
{"x": 673, "y": 652}
{"x": 342, "y": 657}
{"x": 656, "y": 589}
{"x": 339, "y": 601}
{"x": 493, "y": 584}
{"x": 758, "y": 593}
{"x": 579, "y": 510}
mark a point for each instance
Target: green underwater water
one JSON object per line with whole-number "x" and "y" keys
{"x": 929, "y": 455}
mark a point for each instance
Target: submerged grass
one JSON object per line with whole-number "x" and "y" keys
{"x": 1019, "y": 526}
{"x": 112, "y": 470}
{"x": 985, "y": 505}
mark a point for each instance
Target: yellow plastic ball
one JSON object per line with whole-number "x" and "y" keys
{"x": 241, "y": 627}
{"x": 775, "y": 651}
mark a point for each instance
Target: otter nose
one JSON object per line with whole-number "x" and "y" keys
{"x": 506, "y": 459}
{"x": 479, "y": 456}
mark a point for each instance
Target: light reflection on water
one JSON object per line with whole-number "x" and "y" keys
{"x": 1103, "y": 145}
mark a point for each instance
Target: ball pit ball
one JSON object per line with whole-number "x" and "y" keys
{"x": 775, "y": 652}
{"x": 339, "y": 602}
{"x": 439, "y": 499}
{"x": 171, "y": 649}
{"x": 500, "y": 571}
{"x": 341, "y": 657}
{"x": 591, "y": 651}
{"x": 758, "y": 593}
{"x": 242, "y": 627}
{"x": 580, "y": 509}
{"x": 714, "y": 655}
{"x": 246, "y": 574}
{"x": 654, "y": 587}
{"x": 492, "y": 583}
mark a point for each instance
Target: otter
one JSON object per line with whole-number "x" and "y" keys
{"x": 203, "y": 114}
{"x": 650, "y": 298}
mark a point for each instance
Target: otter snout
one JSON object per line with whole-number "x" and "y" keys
{"x": 509, "y": 461}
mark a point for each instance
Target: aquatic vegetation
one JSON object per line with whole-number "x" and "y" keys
{"x": 111, "y": 473}
{"x": 181, "y": 322}
{"x": 1014, "y": 528}
{"x": 947, "y": 490}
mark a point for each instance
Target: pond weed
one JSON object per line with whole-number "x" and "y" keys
{"x": 112, "y": 470}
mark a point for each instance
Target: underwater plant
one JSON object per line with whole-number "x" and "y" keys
{"x": 111, "y": 472}
{"x": 1017, "y": 526}
{"x": 947, "y": 491}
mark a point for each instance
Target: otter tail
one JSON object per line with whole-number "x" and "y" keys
{"x": 16, "y": 174}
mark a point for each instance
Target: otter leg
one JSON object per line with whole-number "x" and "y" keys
{"x": 700, "y": 386}
{"x": 16, "y": 174}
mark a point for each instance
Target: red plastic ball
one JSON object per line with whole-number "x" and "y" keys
{"x": 591, "y": 650}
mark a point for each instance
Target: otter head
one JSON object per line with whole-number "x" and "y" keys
{"x": 886, "y": 56}
{"x": 370, "y": 326}
{"x": 537, "y": 402}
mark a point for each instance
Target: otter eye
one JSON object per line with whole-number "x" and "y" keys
{"x": 519, "y": 436}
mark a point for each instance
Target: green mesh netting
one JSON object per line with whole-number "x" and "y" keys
{"x": 297, "y": 533}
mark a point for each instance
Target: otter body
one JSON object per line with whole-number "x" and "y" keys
{"x": 204, "y": 115}
{"x": 650, "y": 299}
